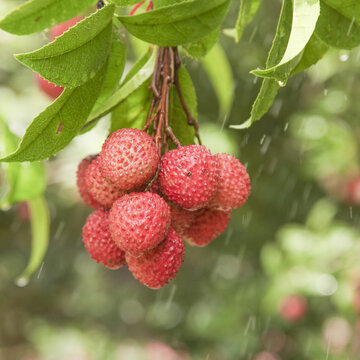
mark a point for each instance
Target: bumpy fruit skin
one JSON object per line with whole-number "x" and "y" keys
{"x": 49, "y": 88}
{"x": 59, "y": 29}
{"x": 293, "y": 308}
{"x": 208, "y": 225}
{"x": 104, "y": 192}
{"x": 98, "y": 241}
{"x": 129, "y": 158}
{"x": 188, "y": 176}
{"x": 80, "y": 180}
{"x": 181, "y": 219}
{"x": 233, "y": 183}
{"x": 139, "y": 222}
{"x": 157, "y": 267}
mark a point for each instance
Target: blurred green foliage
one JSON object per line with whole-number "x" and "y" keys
{"x": 295, "y": 234}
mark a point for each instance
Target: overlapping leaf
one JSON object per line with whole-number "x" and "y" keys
{"x": 76, "y": 56}
{"x": 270, "y": 87}
{"x": 128, "y": 87}
{"x": 177, "y": 24}
{"x": 58, "y": 124}
{"x": 200, "y": 48}
{"x": 37, "y": 15}
{"x": 305, "y": 16}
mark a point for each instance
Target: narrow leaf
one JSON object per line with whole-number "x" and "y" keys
{"x": 338, "y": 30}
{"x": 177, "y": 24}
{"x": 269, "y": 87}
{"x": 22, "y": 181}
{"x": 178, "y": 120}
{"x": 125, "y": 90}
{"x": 200, "y": 48}
{"x": 37, "y": 15}
{"x": 59, "y": 123}
{"x": 219, "y": 71}
{"x": 40, "y": 224}
{"x": 248, "y": 9}
{"x": 124, "y": 3}
{"x": 305, "y": 16}
{"x": 77, "y": 55}
{"x": 132, "y": 112}
{"x": 115, "y": 69}
{"x": 313, "y": 52}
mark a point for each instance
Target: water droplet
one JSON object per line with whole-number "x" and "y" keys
{"x": 22, "y": 282}
{"x": 344, "y": 57}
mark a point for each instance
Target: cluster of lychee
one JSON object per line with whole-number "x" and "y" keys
{"x": 146, "y": 204}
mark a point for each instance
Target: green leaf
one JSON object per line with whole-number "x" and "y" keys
{"x": 124, "y": 3}
{"x": 269, "y": 87}
{"x": 200, "y": 48}
{"x": 139, "y": 64}
{"x": 40, "y": 224}
{"x": 115, "y": 69}
{"x": 132, "y": 112}
{"x": 305, "y": 16}
{"x": 178, "y": 120}
{"x": 248, "y": 9}
{"x": 77, "y": 55}
{"x": 219, "y": 71}
{"x": 313, "y": 52}
{"x": 59, "y": 123}
{"x": 177, "y": 24}
{"x": 348, "y": 8}
{"x": 37, "y": 15}
{"x": 337, "y": 30}
{"x": 128, "y": 86}
{"x": 22, "y": 181}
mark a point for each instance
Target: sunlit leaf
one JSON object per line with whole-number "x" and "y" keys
{"x": 37, "y": 15}
{"x": 77, "y": 55}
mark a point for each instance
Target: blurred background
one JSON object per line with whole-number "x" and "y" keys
{"x": 283, "y": 282}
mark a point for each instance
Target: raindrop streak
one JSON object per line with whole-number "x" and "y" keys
{"x": 223, "y": 124}
{"x": 253, "y": 34}
{"x": 328, "y": 350}
{"x": 171, "y": 297}
{"x": 351, "y": 212}
{"x": 262, "y": 139}
{"x": 293, "y": 210}
{"x": 40, "y": 270}
{"x": 59, "y": 230}
{"x": 350, "y": 26}
{"x": 286, "y": 126}
{"x": 265, "y": 146}
{"x": 251, "y": 325}
{"x": 228, "y": 236}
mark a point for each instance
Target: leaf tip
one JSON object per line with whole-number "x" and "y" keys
{"x": 245, "y": 125}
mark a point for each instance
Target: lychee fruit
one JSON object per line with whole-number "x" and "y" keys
{"x": 293, "y": 307}
{"x": 352, "y": 191}
{"x": 139, "y": 221}
{"x": 157, "y": 267}
{"x": 104, "y": 192}
{"x": 59, "y": 29}
{"x": 181, "y": 219}
{"x": 233, "y": 183}
{"x": 98, "y": 241}
{"x": 49, "y": 88}
{"x": 208, "y": 225}
{"x": 188, "y": 176}
{"x": 80, "y": 180}
{"x": 129, "y": 158}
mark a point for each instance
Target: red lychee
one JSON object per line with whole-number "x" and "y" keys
{"x": 188, "y": 176}
{"x": 233, "y": 183}
{"x": 80, "y": 180}
{"x": 181, "y": 219}
{"x": 99, "y": 188}
{"x": 98, "y": 241}
{"x": 208, "y": 225}
{"x": 139, "y": 221}
{"x": 157, "y": 267}
{"x": 352, "y": 191}
{"x": 293, "y": 307}
{"x": 59, "y": 29}
{"x": 49, "y": 88}
{"x": 129, "y": 158}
